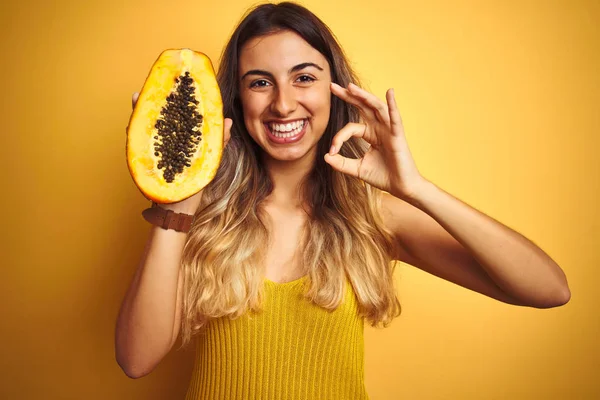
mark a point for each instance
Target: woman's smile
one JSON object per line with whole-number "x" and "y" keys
{"x": 286, "y": 131}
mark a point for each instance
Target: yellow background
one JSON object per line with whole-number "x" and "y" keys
{"x": 501, "y": 106}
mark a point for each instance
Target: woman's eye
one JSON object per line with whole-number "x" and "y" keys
{"x": 306, "y": 78}
{"x": 259, "y": 83}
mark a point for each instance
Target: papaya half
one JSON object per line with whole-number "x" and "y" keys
{"x": 175, "y": 132}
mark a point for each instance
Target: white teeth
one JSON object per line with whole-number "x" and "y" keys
{"x": 286, "y": 130}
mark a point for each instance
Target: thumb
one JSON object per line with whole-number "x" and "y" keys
{"x": 227, "y": 131}
{"x": 134, "y": 99}
{"x": 349, "y": 166}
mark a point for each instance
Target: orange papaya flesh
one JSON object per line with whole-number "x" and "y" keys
{"x": 175, "y": 133}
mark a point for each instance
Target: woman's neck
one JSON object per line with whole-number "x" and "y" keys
{"x": 287, "y": 177}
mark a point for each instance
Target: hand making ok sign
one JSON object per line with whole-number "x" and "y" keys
{"x": 388, "y": 164}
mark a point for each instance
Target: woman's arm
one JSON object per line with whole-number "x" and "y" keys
{"x": 446, "y": 237}
{"x": 148, "y": 321}
{"x": 443, "y": 235}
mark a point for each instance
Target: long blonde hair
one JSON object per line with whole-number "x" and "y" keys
{"x": 344, "y": 236}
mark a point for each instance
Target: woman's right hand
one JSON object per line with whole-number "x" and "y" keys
{"x": 190, "y": 205}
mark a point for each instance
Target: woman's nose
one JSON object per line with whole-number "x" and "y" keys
{"x": 284, "y": 102}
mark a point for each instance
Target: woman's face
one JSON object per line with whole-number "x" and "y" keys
{"x": 285, "y": 94}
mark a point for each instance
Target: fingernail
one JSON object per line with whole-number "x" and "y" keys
{"x": 332, "y": 150}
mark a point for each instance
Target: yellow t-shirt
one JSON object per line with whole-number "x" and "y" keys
{"x": 293, "y": 350}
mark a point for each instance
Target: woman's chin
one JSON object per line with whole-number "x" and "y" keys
{"x": 287, "y": 155}
{"x": 292, "y": 154}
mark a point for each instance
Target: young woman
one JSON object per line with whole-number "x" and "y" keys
{"x": 293, "y": 242}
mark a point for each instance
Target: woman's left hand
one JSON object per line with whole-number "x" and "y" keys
{"x": 388, "y": 164}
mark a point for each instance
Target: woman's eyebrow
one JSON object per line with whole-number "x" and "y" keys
{"x": 302, "y": 66}
{"x": 295, "y": 68}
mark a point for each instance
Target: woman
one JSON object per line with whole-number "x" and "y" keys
{"x": 294, "y": 240}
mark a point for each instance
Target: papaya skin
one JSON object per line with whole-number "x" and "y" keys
{"x": 215, "y": 131}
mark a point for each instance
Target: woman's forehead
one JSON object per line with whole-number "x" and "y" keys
{"x": 278, "y": 52}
